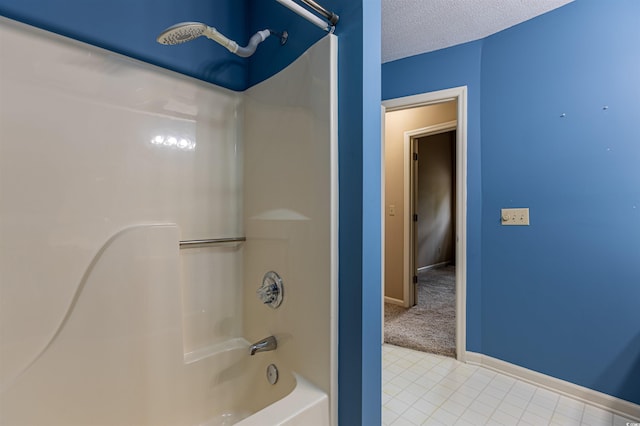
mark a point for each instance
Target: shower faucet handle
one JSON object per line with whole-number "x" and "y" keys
{"x": 268, "y": 294}
{"x": 271, "y": 292}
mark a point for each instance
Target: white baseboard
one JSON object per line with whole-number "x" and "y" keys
{"x": 393, "y": 301}
{"x": 434, "y": 266}
{"x": 571, "y": 390}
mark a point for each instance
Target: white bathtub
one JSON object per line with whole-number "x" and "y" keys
{"x": 306, "y": 405}
{"x": 292, "y": 401}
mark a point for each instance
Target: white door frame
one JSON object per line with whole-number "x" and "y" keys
{"x": 460, "y": 95}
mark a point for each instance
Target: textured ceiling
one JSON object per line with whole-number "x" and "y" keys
{"x": 411, "y": 27}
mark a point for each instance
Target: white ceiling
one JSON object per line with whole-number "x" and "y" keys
{"x": 411, "y": 27}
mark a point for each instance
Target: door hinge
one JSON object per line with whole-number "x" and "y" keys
{"x": 415, "y": 156}
{"x": 415, "y": 217}
{"x": 415, "y": 279}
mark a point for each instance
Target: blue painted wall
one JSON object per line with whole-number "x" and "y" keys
{"x": 444, "y": 69}
{"x": 130, "y": 28}
{"x": 367, "y": 41}
{"x": 560, "y": 296}
{"x": 270, "y": 58}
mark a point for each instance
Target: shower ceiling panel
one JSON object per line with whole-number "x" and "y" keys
{"x": 411, "y": 27}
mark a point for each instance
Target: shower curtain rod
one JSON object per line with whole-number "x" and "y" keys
{"x": 327, "y": 25}
{"x": 330, "y": 16}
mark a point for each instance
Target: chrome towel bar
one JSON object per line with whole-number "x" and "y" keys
{"x": 210, "y": 242}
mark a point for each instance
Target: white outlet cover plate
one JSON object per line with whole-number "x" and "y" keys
{"x": 518, "y": 217}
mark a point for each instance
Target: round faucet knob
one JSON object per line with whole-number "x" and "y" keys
{"x": 271, "y": 291}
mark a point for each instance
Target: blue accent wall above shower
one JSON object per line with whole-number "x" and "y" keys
{"x": 270, "y": 58}
{"x": 131, "y": 27}
{"x": 560, "y": 296}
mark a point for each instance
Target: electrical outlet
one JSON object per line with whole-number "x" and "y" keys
{"x": 515, "y": 216}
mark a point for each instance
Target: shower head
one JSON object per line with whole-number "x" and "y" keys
{"x": 187, "y": 31}
{"x": 182, "y": 32}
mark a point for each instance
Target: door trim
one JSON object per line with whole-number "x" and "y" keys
{"x": 459, "y": 94}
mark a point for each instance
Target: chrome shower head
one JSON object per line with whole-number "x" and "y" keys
{"x": 182, "y": 32}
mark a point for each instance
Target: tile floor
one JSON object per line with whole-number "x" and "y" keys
{"x": 426, "y": 389}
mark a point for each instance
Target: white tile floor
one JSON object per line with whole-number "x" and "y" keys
{"x": 426, "y": 389}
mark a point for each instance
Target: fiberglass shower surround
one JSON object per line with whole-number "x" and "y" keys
{"x": 187, "y": 31}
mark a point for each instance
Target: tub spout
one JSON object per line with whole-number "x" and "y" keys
{"x": 268, "y": 344}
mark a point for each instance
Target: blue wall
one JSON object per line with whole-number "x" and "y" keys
{"x": 270, "y": 58}
{"x": 561, "y": 296}
{"x": 444, "y": 69}
{"x": 367, "y": 147}
{"x": 131, "y": 27}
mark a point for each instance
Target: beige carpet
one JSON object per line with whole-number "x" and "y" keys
{"x": 430, "y": 326}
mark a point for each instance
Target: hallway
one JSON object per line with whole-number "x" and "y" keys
{"x": 429, "y": 326}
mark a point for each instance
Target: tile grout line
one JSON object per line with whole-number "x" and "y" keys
{"x": 473, "y": 400}
{"x": 496, "y": 409}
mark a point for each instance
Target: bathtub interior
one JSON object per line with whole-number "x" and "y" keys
{"x": 105, "y": 321}
{"x": 249, "y": 391}
{"x": 305, "y": 405}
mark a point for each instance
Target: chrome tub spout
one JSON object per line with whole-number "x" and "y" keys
{"x": 267, "y": 344}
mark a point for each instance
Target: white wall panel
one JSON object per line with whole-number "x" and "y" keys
{"x": 290, "y": 209}
{"x": 77, "y": 166}
{"x": 103, "y": 320}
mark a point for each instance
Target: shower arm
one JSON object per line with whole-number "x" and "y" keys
{"x": 244, "y": 52}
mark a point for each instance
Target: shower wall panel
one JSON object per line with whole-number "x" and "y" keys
{"x": 105, "y": 163}
{"x": 290, "y": 183}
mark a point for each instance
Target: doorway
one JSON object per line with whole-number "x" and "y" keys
{"x": 433, "y": 205}
{"x": 400, "y": 264}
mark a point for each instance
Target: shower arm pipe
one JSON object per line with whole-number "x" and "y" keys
{"x": 319, "y": 22}
{"x": 233, "y": 47}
